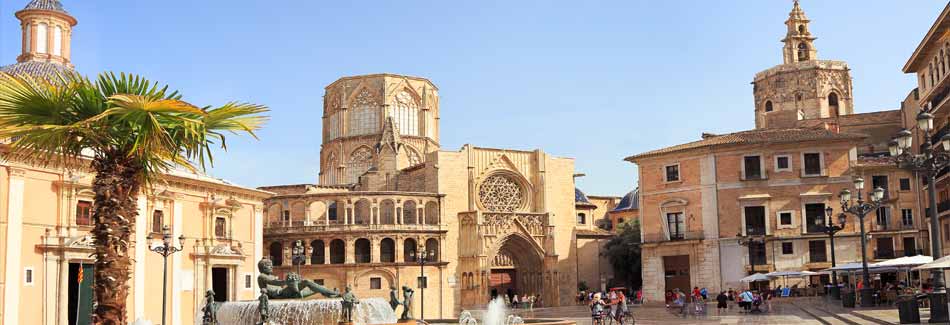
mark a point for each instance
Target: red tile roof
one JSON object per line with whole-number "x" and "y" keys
{"x": 759, "y": 136}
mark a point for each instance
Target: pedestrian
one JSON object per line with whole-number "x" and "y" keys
{"x": 721, "y": 302}
{"x": 746, "y": 300}
{"x": 669, "y": 298}
{"x": 515, "y": 302}
{"x": 704, "y": 293}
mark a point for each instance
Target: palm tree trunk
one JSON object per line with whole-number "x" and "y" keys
{"x": 116, "y": 187}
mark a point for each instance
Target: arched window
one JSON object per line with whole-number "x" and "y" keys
{"x": 581, "y": 218}
{"x": 409, "y": 212}
{"x": 29, "y": 37}
{"x": 387, "y": 211}
{"x": 409, "y": 250}
{"x": 362, "y": 210}
{"x": 801, "y": 29}
{"x": 298, "y": 212}
{"x": 363, "y": 254}
{"x": 220, "y": 227}
{"x": 364, "y": 118}
{"x": 337, "y": 251}
{"x": 318, "y": 256}
{"x": 333, "y": 126}
{"x": 943, "y": 65}
{"x": 360, "y": 161}
{"x": 387, "y": 250}
{"x": 329, "y": 169}
{"x": 768, "y": 106}
{"x": 432, "y": 213}
{"x": 41, "y": 36}
{"x": 58, "y": 41}
{"x": 405, "y": 113}
{"x": 802, "y": 52}
{"x": 277, "y": 253}
{"x": 833, "y": 104}
{"x": 331, "y": 212}
{"x": 432, "y": 247}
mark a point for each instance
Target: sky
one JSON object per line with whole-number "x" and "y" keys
{"x": 593, "y": 80}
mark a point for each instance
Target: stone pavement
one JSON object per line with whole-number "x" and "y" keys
{"x": 811, "y": 310}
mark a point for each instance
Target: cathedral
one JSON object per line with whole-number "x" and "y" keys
{"x": 392, "y": 208}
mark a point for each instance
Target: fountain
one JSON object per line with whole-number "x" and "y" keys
{"x": 496, "y": 314}
{"x": 282, "y": 302}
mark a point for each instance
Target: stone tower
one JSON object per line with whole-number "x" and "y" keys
{"x": 46, "y": 35}
{"x": 803, "y": 87}
{"x": 381, "y": 123}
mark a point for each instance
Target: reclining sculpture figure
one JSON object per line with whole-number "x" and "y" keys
{"x": 293, "y": 287}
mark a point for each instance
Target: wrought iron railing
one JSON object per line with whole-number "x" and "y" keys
{"x": 661, "y": 237}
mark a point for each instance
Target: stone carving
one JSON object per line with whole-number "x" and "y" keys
{"x": 226, "y": 250}
{"x": 500, "y": 193}
{"x": 498, "y": 224}
{"x": 365, "y": 97}
{"x": 81, "y": 242}
{"x": 293, "y": 287}
{"x": 359, "y": 162}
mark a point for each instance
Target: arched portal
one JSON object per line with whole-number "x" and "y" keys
{"x": 516, "y": 266}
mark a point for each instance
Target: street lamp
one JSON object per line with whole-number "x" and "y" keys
{"x": 928, "y": 163}
{"x": 298, "y": 255}
{"x": 421, "y": 255}
{"x": 829, "y": 228}
{"x": 165, "y": 249}
{"x": 861, "y": 209}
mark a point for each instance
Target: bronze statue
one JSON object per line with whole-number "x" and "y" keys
{"x": 209, "y": 310}
{"x": 394, "y": 298}
{"x": 347, "y": 304}
{"x": 263, "y": 308}
{"x": 293, "y": 287}
{"x": 406, "y": 303}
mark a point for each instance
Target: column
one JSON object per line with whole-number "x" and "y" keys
{"x": 326, "y": 252}
{"x": 398, "y": 215}
{"x": 307, "y": 252}
{"x": 138, "y": 273}
{"x": 175, "y": 273}
{"x": 306, "y": 213}
{"x": 374, "y": 249}
{"x": 258, "y": 241}
{"x": 14, "y": 246}
{"x": 399, "y": 243}
{"x": 419, "y": 215}
{"x": 52, "y": 265}
{"x": 350, "y": 250}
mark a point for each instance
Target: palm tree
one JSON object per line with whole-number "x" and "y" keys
{"x": 129, "y": 131}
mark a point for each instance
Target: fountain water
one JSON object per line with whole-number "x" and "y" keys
{"x": 304, "y": 312}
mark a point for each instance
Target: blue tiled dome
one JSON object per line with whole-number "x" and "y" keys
{"x": 579, "y": 196}
{"x": 50, "y": 71}
{"x": 52, "y": 5}
{"x": 631, "y": 201}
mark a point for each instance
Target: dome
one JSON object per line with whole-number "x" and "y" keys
{"x": 51, "y": 5}
{"x": 631, "y": 201}
{"x": 50, "y": 71}
{"x": 579, "y": 196}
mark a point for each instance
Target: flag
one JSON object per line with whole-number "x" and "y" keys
{"x": 79, "y": 277}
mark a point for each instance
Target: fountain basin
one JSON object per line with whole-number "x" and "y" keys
{"x": 305, "y": 312}
{"x": 526, "y": 321}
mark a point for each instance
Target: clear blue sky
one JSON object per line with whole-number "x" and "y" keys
{"x": 593, "y": 80}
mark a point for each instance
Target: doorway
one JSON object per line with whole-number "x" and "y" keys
{"x": 676, "y": 272}
{"x": 219, "y": 283}
{"x": 503, "y": 280}
{"x": 80, "y": 293}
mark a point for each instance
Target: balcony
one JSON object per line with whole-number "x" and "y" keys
{"x": 298, "y": 227}
{"x": 817, "y": 257}
{"x": 884, "y": 254}
{"x": 913, "y": 252}
{"x": 661, "y": 237}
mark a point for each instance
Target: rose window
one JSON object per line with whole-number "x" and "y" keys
{"x": 500, "y": 193}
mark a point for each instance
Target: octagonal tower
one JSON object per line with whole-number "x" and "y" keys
{"x": 380, "y": 122}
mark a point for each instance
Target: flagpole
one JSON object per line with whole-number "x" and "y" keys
{"x": 79, "y": 292}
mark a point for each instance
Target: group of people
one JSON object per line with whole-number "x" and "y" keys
{"x": 613, "y": 305}
{"x": 513, "y": 300}
{"x": 749, "y": 301}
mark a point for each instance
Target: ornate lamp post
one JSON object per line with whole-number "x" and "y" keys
{"x": 750, "y": 241}
{"x": 165, "y": 249}
{"x": 831, "y": 229}
{"x": 298, "y": 255}
{"x": 861, "y": 209}
{"x": 928, "y": 163}
{"x": 421, "y": 255}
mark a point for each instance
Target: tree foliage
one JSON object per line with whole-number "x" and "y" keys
{"x": 623, "y": 252}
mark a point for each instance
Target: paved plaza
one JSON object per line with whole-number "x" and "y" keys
{"x": 784, "y": 311}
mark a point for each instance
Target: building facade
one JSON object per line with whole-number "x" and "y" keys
{"x": 45, "y": 220}
{"x": 699, "y": 201}
{"x": 491, "y": 220}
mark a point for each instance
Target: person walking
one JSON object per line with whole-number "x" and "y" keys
{"x": 722, "y": 302}
{"x": 747, "y": 298}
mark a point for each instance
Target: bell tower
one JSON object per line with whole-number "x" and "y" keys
{"x": 799, "y": 42}
{"x": 802, "y": 87}
{"x": 46, "y": 33}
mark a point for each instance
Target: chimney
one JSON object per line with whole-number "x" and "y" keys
{"x": 707, "y": 135}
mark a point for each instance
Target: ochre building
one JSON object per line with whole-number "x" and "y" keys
{"x": 492, "y": 220}
{"x": 45, "y": 220}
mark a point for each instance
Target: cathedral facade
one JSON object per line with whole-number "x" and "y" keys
{"x": 489, "y": 221}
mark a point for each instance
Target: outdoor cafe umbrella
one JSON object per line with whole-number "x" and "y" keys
{"x": 940, "y": 263}
{"x": 906, "y": 263}
{"x": 786, "y": 274}
{"x": 755, "y": 277}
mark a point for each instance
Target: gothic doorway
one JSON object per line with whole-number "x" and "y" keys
{"x": 517, "y": 266}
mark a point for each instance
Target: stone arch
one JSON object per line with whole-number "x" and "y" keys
{"x": 409, "y": 249}
{"x": 528, "y": 262}
{"x": 833, "y": 104}
{"x": 362, "y": 249}
{"x": 432, "y": 213}
{"x": 768, "y": 106}
{"x": 387, "y": 276}
{"x": 503, "y": 190}
{"x": 318, "y": 252}
{"x": 276, "y": 253}
{"x": 329, "y": 168}
{"x": 362, "y": 212}
{"x": 409, "y": 212}
{"x": 318, "y": 211}
{"x": 387, "y": 212}
{"x": 298, "y": 211}
{"x": 405, "y": 110}
{"x": 358, "y": 163}
{"x": 273, "y": 213}
{"x": 337, "y": 251}
{"x": 412, "y": 156}
{"x": 387, "y": 250}
{"x": 432, "y": 247}
{"x": 803, "y": 52}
